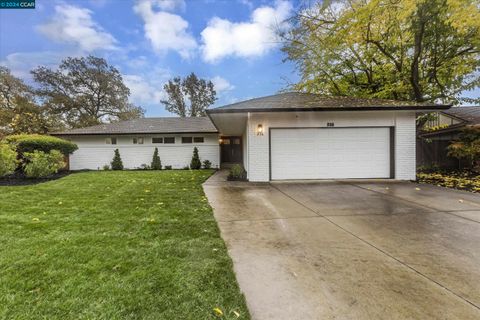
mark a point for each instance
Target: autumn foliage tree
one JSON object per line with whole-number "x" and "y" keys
{"x": 467, "y": 146}
{"x": 19, "y": 110}
{"x": 421, "y": 50}
{"x": 85, "y": 91}
{"x": 189, "y": 97}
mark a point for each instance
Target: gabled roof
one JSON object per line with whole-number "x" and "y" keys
{"x": 468, "y": 114}
{"x": 147, "y": 125}
{"x": 297, "y": 101}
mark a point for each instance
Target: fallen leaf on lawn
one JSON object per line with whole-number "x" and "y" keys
{"x": 35, "y": 219}
{"x": 236, "y": 314}
{"x": 160, "y": 203}
{"x": 151, "y": 220}
{"x": 215, "y": 249}
{"x": 147, "y": 191}
{"x": 218, "y": 312}
{"x": 60, "y": 202}
{"x": 44, "y": 212}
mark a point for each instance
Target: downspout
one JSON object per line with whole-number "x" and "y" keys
{"x": 248, "y": 145}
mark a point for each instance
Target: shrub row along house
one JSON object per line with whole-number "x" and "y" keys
{"x": 278, "y": 137}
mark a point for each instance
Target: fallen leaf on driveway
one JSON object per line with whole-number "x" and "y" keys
{"x": 460, "y": 200}
{"x": 417, "y": 189}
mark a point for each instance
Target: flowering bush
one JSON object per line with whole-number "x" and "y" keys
{"x": 8, "y": 159}
{"x": 42, "y": 164}
{"x": 463, "y": 180}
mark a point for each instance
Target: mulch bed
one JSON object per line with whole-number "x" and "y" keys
{"x": 467, "y": 180}
{"x": 19, "y": 179}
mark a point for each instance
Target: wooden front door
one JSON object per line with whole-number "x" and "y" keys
{"x": 231, "y": 150}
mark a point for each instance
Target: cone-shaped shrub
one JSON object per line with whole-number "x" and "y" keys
{"x": 117, "y": 163}
{"x": 195, "y": 163}
{"x": 156, "y": 163}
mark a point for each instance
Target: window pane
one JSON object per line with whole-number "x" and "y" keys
{"x": 236, "y": 141}
{"x": 169, "y": 140}
{"x": 110, "y": 140}
{"x": 225, "y": 141}
{"x": 157, "y": 140}
{"x": 186, "y": 139}
{"x": 198, "y": 139}
{"x": 137, "y": 140}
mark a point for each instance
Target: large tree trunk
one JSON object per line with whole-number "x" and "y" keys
{"x": 419, "y": 29}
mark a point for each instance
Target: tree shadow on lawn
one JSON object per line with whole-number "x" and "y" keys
{"x": 19, "y": 179}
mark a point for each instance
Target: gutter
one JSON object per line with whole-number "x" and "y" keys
{"x": 323, "y": 109}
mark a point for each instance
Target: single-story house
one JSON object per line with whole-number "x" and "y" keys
{"x": 436, "y": 135}
{"x": 279, "y": 137}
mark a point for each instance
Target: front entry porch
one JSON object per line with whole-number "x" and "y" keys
{"x": 230, "y": 151}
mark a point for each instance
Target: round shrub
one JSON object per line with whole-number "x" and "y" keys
{"x": 8, "y": 159}
{"x": 237, "y": 172}
{"x": 42, "y": 164}
{"x": 207, "y": 164}
{"x": 27, "y": 143}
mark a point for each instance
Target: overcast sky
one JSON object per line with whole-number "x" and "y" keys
{"x": 231, "y": 42}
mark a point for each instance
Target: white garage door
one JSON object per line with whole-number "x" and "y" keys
{"x": 330, "y": 153}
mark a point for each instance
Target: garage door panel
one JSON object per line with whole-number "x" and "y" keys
{"x": 330, "y": 153}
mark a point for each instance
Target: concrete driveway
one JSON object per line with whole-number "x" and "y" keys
{"x": 352, "y": 250}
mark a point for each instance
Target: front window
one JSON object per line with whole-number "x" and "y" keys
{"x": 169, "y": 140}
{"x": 198, "y": 139}
{"x": 137, "y": 140}
{"x": 186, "y": 139}
{"x": 157, "y": 140}
{"x": 111, "y": 141}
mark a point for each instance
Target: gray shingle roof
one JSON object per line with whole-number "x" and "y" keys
{"x": 470, "y": 115}
{"x": 297, "y": 101}
{"x": 148, "y": 125}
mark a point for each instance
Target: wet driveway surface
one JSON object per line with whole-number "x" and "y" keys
{"x": 352, "y": 250}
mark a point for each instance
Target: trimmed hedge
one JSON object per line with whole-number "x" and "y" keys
{"x": 26, "y": 143}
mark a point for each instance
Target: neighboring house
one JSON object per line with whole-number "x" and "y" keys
{"x": 279, "y": 137}
{"x": 437, "y": 134}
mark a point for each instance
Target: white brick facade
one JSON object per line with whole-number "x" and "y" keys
{"x": 257, "y": 147}
{"x": 93, "y": 153}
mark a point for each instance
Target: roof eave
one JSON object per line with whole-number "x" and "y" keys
{"x": 124, "y": 133}
{"x": 323, "y": 109}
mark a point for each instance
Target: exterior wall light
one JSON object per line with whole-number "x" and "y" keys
{"x": 260, "y": 130}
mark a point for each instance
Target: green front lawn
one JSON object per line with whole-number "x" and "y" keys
{"x": 114, "y": 245}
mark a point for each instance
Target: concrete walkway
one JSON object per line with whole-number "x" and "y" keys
{"x": 351, "y": 250}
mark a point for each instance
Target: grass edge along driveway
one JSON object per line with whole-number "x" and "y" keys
{"x": 115, "y": 245}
